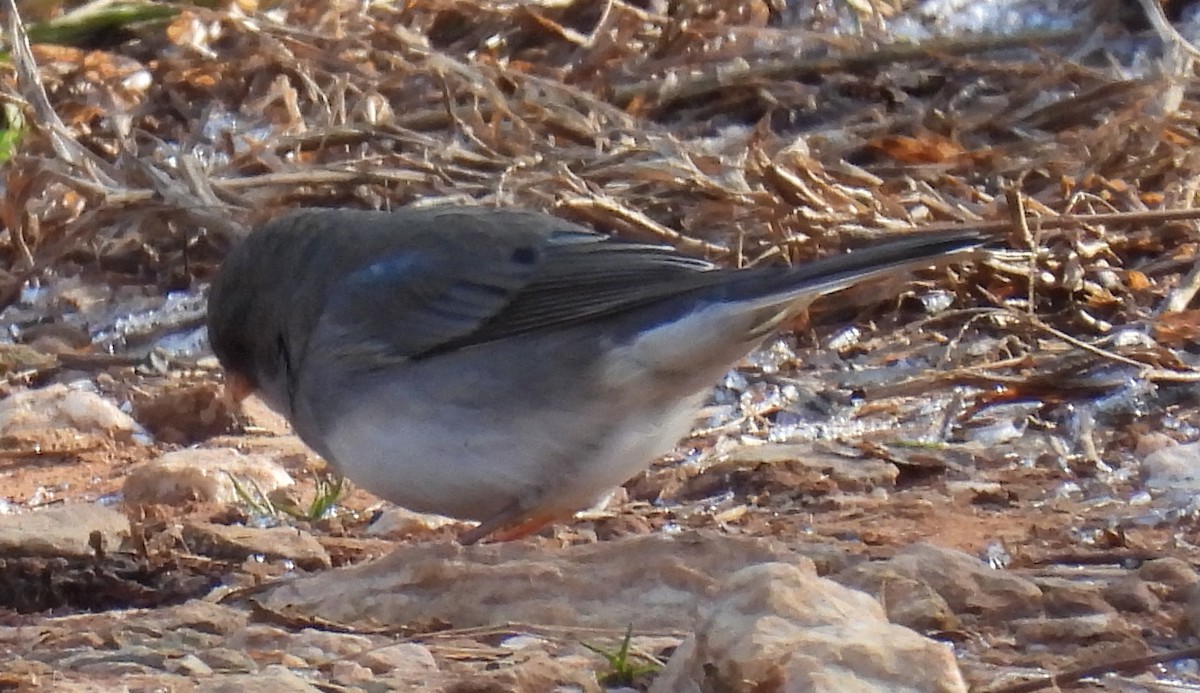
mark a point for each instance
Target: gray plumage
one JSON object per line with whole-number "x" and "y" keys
{"x": 499, "y": 365}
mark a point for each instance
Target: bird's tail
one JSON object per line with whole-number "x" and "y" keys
{"x": 773, "y": 286}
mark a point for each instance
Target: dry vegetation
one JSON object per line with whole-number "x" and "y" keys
{"x": 714, "y": 126}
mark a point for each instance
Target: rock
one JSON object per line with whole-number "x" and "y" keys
{"x": 183, "y": 413}
{"x": 240, "y": 543}
{"x": 63, "y": 530}
{"x": 916, "y": 605}
{"x": 1173, "y": 472}
{"x": 202, "y": 475}
{"x": 1131, "y": 593}
{"x": 1062, "y": 598}
{"x": 287, "y": 451}
{"x": 405, "y": 660}
{"x": 851, "y": 474}
{"x": 193, "y": 616}
{"x": 788, "y": 469}
{"x": 256, "y": 637}
{"x": 57, "y": 407}
{"x": 781, "y": 628}
{"x": 539, "y": 671}
{"x": 908, "y": 601}
{"x": 1151, "y": 442}
{"x": 228, "y": 660}
{"x": 127, "y": 658}
{"x": 650, "y": 581}
{"x": 968, "y": 585}
{"x": 1171, "y": 578}
{"x": 349, "y": 673}
{"x": 189, "y": 665}
{"x": 1073, "y": 630}
{"x": 341, "y": 645}
{"x": 830, "y": 558}
{"x": 398, "y": 523}
{"x": 272, "y": 679}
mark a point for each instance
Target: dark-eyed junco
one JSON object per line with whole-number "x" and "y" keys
{"x": 499, "y": 365}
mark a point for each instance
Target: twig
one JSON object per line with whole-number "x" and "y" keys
{"x": 1016, "y": 212}
{"x": 613, "y": 212}
{"x": 661, "y": 91}
{"x": 1182, "y": 295}
{"x": 1166, "y": 31}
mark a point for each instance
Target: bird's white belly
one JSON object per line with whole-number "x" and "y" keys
{"x": 473, "y": 463}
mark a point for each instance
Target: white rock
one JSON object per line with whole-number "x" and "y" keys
{"x": 399, "y": 523}
{"x": 203, "y": 475}
{"x": 781, "y": 628}
{"x": 349, "y": 673}
{"x": 1173, "y": 471}
{"x": 405, "y": 660}
{"x": 341, "y": 645}
{"x": 57, "y": 407}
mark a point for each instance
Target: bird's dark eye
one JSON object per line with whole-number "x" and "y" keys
{"x": 525, "y": 255}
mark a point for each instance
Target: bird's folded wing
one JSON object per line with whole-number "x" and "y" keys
{"x": 416, "y": 303}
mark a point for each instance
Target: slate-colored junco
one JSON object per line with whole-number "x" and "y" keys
{"x": 498, "y": 365}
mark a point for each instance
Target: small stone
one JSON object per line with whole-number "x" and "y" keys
{"x": 130, "y": 659}
{"x": 341, "y": 645}
{"x": 778, "y": 627}
{"x": 202, "y": 475}
{"x": 908, "y": 602}
{"x": 403, "y": 660}
{"x": 916, "y": 605}
{"x": 190, "y": 665}
{"x": 57, "y": 407}
{"x": 349, "y": 673}
{"x": 1150, "y": 443}
{"x": 830, "y": 558}
{"x": 1173, "y": 472}
{"x": 272, "y": 543}
{"x": 1176, "y": 577}
{"x": 183, "y": 413}
{"x": 289, "y": 661}
{"x": 116, "y": 669}
{"x": 1191, "y": 611}
{"x": 1078, "y": 629}
{"x": 272, "y": 679}
{"x": 28, "y": 668}
{"x": 398, "y": 523}
{"x": 196, "y": 618}
{"x": 63, "y": 530}
{"x": 259, "y": 636}
{"x": 523, "y": 641}
{"x": 539, "y": 671}
{"x": 1065, "y": 598}
{"x": 791, "y": 464}
{"x": 1131, "y": 594}
{"x": 224, "y": 659}
{"x": 968, "y": 585}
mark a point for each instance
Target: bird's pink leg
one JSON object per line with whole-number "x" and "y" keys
{"x": 510, "y": 525}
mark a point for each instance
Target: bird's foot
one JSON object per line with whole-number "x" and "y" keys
{"x": 509, "y": 526}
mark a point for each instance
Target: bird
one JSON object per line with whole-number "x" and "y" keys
{"x": 500, "y": 365}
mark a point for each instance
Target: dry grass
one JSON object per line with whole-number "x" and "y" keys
{"x": 708, "y": 126}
